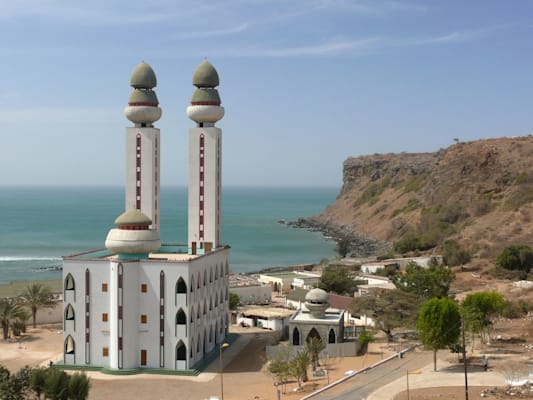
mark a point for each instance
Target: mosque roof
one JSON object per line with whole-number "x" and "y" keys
{"x": 143, "y": 77}
{"x": 133, "y": 217}
{"x": 317, "y": 296}
{"x": 205, "y": 75}
{"x": 202, "y": 96}
{"x": 143, "y": 97}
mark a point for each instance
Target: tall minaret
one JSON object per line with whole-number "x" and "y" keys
{"x": 205, "y": 161}
{"x": 143, "y": 146}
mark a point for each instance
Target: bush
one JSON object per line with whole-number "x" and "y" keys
{"x": 516, "y": 257}
{"x": 453, "y": 254}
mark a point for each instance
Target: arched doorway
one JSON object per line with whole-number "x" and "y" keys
{"x": 295, "y": 337}
{"x": 313, "y": 333}
{"x": 331, "y": 338}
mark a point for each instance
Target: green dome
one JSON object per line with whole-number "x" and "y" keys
{"x": 143, "y": 77}
{"x": 133, "y": 217}
{"x": 203, "y": 96}
{"x": 205, "y": 75}
{"x": 143, "y": 98}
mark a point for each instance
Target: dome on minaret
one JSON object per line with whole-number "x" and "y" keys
{"x": 133, "y": 235}
{"x": 143, "y": 105}
{"x": 317, "y": 301}
{"x": 205, "y": 75}
{"x": 205, "y": 103}
{"x": 143, "y": 77}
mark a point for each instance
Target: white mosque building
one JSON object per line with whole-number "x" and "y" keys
{"x": 139, "y": 303}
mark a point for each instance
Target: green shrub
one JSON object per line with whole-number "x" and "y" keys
{"x": 415, "y": 183}
{"x": 453, "y": 254}
{"x": 516, "y": 257}
{"x": 373, "y": 191}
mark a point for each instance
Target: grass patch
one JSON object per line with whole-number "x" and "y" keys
{"x": 411, "y": 205}
{"x": 416, "y": 183}
{"x": 373, "y": 191}
{"x": 519, "y": 198}
{"x": 15, "y": 288}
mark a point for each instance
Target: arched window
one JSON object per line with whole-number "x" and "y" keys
{"x": 69, "y": 313}
{"x": 295, "y": 337}
{"x": 313, "y": 333}
{"x": 181, "y": 286}
{"x": 69, "y": 282}
{"x": 192, "y": 314}
{"x": 192, "y": 284}
{"x": 331, "y": 338}
{"x": 181, "y": 351}
{"x": 181, "y": 318}
{"x": 70, "y": 347}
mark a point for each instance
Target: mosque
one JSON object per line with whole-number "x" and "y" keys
{"x": 139, "y": 303}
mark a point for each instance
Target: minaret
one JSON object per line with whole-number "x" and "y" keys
{"x": 143, "y": 146}
{"x": 205, "y": 153}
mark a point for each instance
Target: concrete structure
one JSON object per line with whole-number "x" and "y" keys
{"x": 374, "y": 282}
{"x": 283, "y": 282}
{"x": 138, "y": 303}
{"x": 316, "y": 321}
{"x": 273, "y": 318}
{"x": 249, "y": 290}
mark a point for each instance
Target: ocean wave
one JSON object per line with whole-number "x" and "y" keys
{"x": 15, "y": 258}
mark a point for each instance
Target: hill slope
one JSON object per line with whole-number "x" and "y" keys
{"x": 478, "y": 193}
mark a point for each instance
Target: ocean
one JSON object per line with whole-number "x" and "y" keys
{"x": 38, "y": 225}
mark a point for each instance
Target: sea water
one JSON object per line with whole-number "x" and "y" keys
{"x": 38, "y": 225}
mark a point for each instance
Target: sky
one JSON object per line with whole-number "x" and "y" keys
{"x": 305, "y": 83}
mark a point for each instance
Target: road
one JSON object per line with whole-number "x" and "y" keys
{"x": 362, "y": 385}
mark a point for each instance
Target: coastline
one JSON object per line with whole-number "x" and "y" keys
{"x": 14, "y": 288}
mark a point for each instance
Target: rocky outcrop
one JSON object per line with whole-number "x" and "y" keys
{"x": 482, "y": 192}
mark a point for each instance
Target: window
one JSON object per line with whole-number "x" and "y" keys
{"x": 104, "y": 317}
{"x": 104, "y": 287}
{"x": 105, "y": 352}
{"x": 144, "y": 288}
{"x": 143, "y": 357}
{"x": 144, "y": 319}
{"x": 69, "y": 282}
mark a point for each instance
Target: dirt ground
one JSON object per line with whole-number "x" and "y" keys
{"x": 245, "y": 376}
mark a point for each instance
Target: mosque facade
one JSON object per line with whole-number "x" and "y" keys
{"x": 139, "y": 303}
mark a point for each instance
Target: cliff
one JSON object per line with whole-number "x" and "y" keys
{"x": 478, "y": 193}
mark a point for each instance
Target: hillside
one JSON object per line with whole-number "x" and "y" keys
{"x": 478, "y": 193}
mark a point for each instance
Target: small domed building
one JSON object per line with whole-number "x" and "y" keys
{"x": 315, "y": 320}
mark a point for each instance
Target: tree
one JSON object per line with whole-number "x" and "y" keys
{"x": 335, "y": 278}
{"x": 10, "y": 311}
{"x": 389, "y": 309}
{"x": 56, "y": 384}
{"x": 425, "y": 283}
{"x": 453, "y": 254}
{"x": 16, "y": 386}
{"x": 364, "y": 338}
{"x": 344, "y": 244}
{"x": 478, "y": 309}
{"x": 37, "y": 380}
{"x": 36, "y": 296}
{"x": 78, "y": 386}
{"x": 234, "y": 300}
{"x": 298, "y": 366}
{"x": 314, "y": 346}
{"x": 278, "y": 366}
{"x": 438, "y": 325}
{"x": 516, "y": 257}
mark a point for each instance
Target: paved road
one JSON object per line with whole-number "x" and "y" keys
{"x": 360, "y": 386}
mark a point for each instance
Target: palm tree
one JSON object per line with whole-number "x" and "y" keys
{"x": 314, "y": 346}
{"x": 36, "y": 296}
{"x": 298, "y": 366}
{"x": 78, "y": 386}
{"x": 10, "y": 311}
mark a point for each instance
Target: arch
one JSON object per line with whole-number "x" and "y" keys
{"x": 70, "y": 346}
{"x": 69, "y": 313}
{"x": 181, "y": 317}
{"x": 332, "y": 337}
{"x": 181, "y": 286}
{"x": 313, "y": 333}
{"x": 295, "y": 337}
{"x": 181, "y": 351}
{"x": 70, "y": 284}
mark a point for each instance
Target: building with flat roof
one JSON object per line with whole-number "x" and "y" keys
{"x": 139, "y": 303}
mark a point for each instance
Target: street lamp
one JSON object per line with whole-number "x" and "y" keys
{"x": 221, "y": 370}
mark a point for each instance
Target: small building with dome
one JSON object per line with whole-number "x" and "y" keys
{"x": 315, "y": 320}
